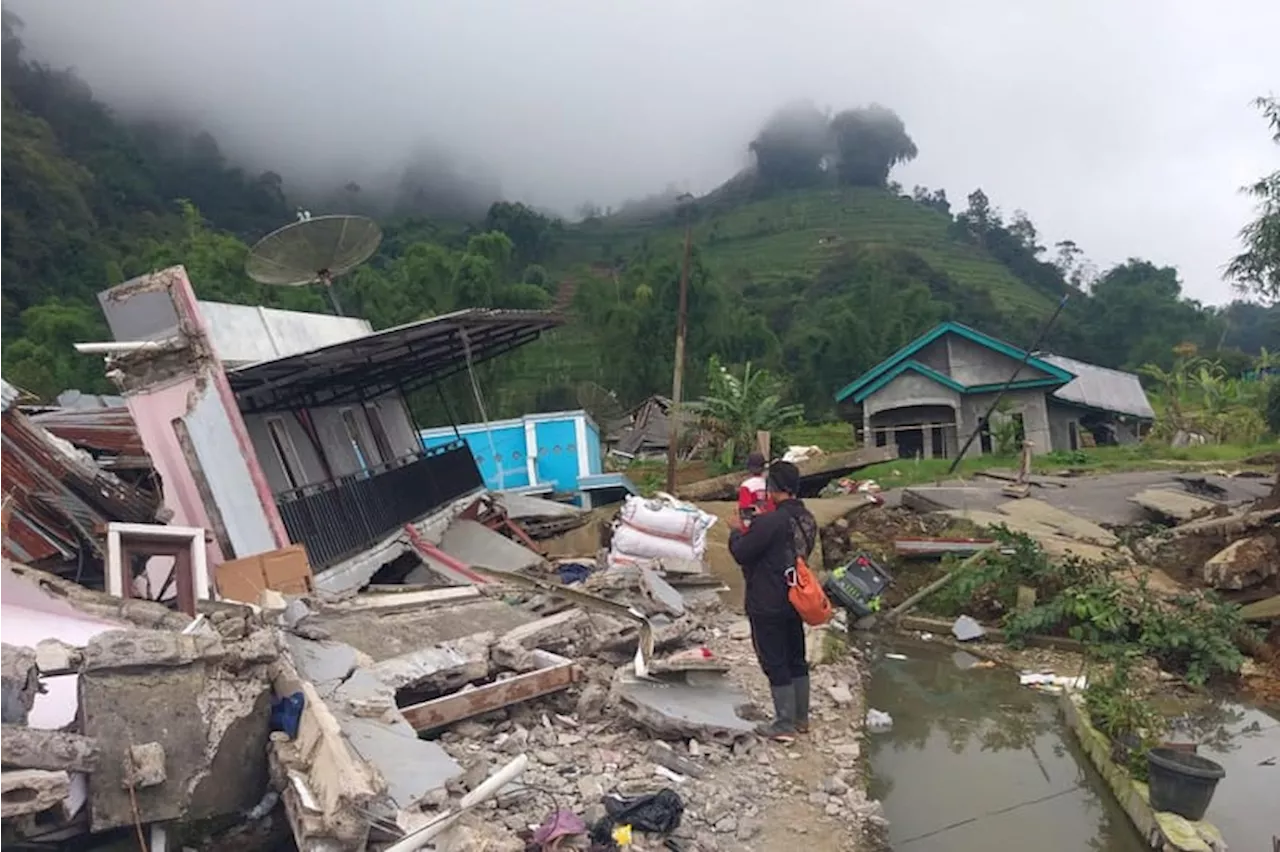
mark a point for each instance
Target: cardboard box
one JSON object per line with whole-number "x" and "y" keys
{"x": 286, "y": 571}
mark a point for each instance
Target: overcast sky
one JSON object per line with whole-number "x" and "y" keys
{"x": 1122, "y": 124}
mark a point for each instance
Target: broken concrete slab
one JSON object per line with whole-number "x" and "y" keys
{"x": 33, "y": 748}
{"x": 141, "y": 649}
{"x": 445, "y": 666}
{"x": 472, "y": 543}
{"x": 1176, "y": 506}
{"x": 54, "y": 656}
{"x": 411, "y": 767}
{"x": 384, "y": 635}
{"x": 966, "y": 629}
{"x": 703, "y": 705}
{"x": 210, "y": 715}
{"x": 325, "y": 663}
{"x": 941, "y": 498}
{"x": 30, "y": 791}
{"x": 990, "y": 520}
{"x": 1037, "y": 511}
{"x": 660, "y": 594}
{"x": 1244, "y": 563}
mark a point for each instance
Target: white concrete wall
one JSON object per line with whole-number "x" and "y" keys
{"x": 972, "y": 364}
{"x": 246, "y": 335}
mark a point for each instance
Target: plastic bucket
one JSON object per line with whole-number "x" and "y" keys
{"x": 1181, "y": 782}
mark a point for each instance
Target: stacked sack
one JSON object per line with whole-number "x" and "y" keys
{"x": 659, "y": 528}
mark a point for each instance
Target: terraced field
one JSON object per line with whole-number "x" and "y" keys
{"x": 791, "y": 236}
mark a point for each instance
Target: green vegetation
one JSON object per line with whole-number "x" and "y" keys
{"x": 736, "y": 408}
{"x": 1193, "y": 635}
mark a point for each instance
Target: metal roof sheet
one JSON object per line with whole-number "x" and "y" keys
{"x": 1102, "y": 388}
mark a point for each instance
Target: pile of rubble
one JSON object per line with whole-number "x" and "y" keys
{"x": 386, "y": 719}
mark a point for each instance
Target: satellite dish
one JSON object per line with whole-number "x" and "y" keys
{"x": 313, "y": 251}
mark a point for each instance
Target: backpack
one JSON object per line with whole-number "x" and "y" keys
{"x": 803, "y": 589}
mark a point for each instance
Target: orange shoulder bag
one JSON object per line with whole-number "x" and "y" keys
{"x": 806, "y": 594}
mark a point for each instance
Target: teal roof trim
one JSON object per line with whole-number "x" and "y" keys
{"x": 858, "y": 387}
{"x": 905, "y": 366}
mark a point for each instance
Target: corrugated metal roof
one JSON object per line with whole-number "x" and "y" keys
{"x": 58, "y": 499}
{"x": 8, "y": 393}
{"x": 1102, "y": 388}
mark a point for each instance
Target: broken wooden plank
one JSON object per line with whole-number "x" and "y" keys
{"x": 939, "y": 547}
{"x": 559, "y": 673}
{"x": 1176, "y": 506}
{"x": 33, "y": 748}
{"x": 30, "y": 791}
{"x": 1267, "y": 609}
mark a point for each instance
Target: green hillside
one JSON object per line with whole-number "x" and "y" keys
{"x": 792, "y": 236}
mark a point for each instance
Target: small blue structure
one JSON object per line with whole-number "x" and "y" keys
{"x": 556, "y": 451}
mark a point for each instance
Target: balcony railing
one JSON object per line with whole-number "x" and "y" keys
{"x": 342, "y": 517}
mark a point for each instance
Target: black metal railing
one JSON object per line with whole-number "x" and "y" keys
{"x": 340, "y": 518}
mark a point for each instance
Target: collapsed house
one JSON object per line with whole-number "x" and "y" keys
{"x": 266, "y": 440}
{"x": 927, "y": 397}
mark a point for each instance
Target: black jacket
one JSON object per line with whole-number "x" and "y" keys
{"x": 768, "y": 549}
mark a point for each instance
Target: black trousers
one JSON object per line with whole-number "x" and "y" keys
{"x": 779, "y": 644}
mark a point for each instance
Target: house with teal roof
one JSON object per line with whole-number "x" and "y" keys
{"x": 927, "y": 397}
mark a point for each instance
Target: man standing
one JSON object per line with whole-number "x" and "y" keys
{"x": 767, "y": 552}
{"x": 753, "y": 493}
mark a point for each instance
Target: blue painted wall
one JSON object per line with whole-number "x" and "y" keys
{"x": 557, "y": 459}
{"x": 508, "y": 445}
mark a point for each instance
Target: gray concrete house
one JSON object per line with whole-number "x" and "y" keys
{"x": 927, "y": 397}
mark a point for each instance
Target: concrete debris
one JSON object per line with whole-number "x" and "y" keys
{"x": 33, "y": 748}
{"x": 204, "y": 705}
{"x": 1244, "y": 564}
{"x": 1175, "y": 506}
{"x": 21, "y": 683}
{"x": 30, "y": 791}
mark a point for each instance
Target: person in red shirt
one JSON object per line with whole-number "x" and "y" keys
{"x": 753, "y": 493}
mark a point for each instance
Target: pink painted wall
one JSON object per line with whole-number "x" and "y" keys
{"x": 153, "y": 411}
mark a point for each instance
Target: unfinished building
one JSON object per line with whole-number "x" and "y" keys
{"x": 927, "y": 398}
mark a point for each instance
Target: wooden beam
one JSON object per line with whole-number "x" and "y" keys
{"x": 439, "y": 712}
{"x": 32, "y": 748}
{"x": 30, "y": 791}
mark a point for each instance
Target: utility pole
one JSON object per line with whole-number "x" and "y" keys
{"x": 677, "y": 377}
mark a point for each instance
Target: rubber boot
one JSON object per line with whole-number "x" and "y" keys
{"x": 783, "y": 727}
{"x": 801, "y": 686}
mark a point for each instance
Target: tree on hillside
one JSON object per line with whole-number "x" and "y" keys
{"x": 1137, "y": 314}
{"x": 532, "y": 234}
{"x": 1256, "y": 270}
{"x": 869, "y": 141}
{"x": 791, "y": 149}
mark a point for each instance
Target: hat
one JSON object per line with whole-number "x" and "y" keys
{"x": 755, "y": 463}
{"x": 784, "y": 477}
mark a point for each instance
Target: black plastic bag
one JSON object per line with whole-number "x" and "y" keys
{"x": 657, "y": 813}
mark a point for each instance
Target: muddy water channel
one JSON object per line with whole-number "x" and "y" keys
{"x": 974, "y": 761}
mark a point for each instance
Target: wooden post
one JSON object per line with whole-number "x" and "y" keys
{"x": 677, "y": 378}
{"x": 764, "y": 442}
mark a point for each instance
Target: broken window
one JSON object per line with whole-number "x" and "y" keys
{"x": 286, "y": 452}
{"x": 379, "y": 430}
{"x": 364, "y": 458}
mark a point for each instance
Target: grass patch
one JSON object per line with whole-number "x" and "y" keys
{"x": 1099, "y": 460}
{"x": 831, "y": 437}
